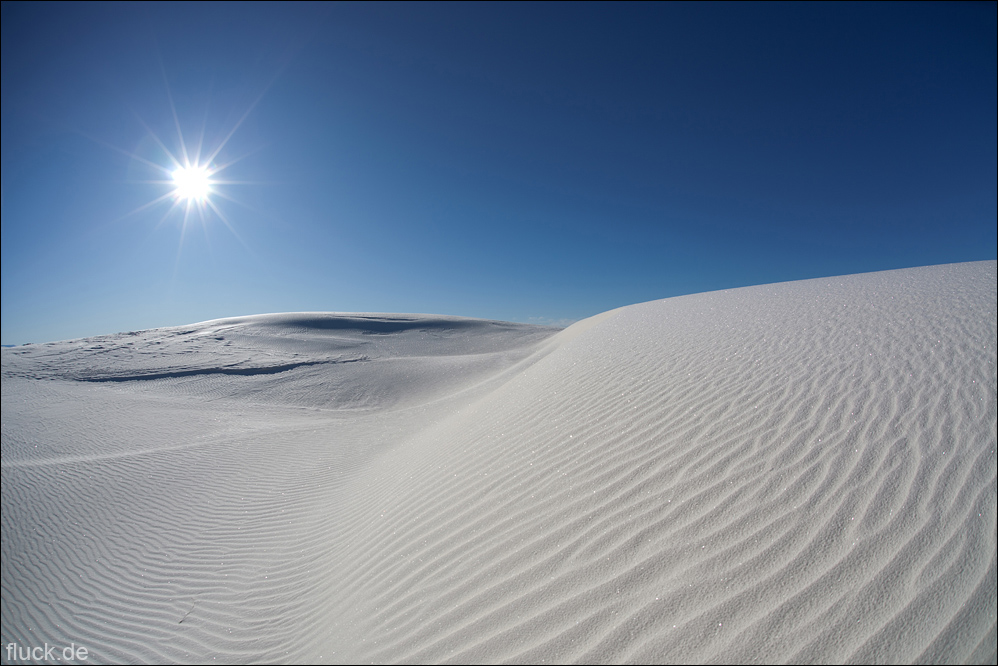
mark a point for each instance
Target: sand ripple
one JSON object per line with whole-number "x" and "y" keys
{"x": 801, "y": 472}
{"x": 796, "y": 472}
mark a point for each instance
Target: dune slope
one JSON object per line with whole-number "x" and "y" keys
{"x": 167, "y": 493}
{"x": 799, "y": 472}
{"x": 796, "y": 472}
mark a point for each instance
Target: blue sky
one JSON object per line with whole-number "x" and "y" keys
{"x": 528, "y": 162}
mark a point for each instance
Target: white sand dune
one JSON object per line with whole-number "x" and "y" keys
{"x": 799, "y": 472}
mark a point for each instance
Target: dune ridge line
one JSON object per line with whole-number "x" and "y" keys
{"x": 800, "y": 472}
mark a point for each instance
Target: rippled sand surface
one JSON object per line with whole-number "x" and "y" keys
{"x": 798, "y": 472}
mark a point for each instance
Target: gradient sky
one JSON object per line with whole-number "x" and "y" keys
{"x": 528, "y": 162}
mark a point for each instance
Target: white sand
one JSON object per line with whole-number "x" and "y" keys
{"x": 800, "y": 472}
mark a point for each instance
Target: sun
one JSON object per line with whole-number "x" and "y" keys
{"x": 190, "y": 172}
{"x": 192, "y": 183}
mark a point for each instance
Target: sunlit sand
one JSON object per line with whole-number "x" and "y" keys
{"x": 796, "y": 472}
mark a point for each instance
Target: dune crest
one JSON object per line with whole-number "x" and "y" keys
{"x": 800, "y": 472}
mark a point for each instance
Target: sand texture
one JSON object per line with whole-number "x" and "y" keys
{"x": 797, "y": 472}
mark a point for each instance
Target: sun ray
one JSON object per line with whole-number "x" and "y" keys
{"x": 221, "y": 145}
{"x": 183, "y": 235}
{"x": 249, "y": 110}
{"x": 190, "y": 168}
{"x": 176, "y": 118}
{"x": 226, "y": 165}
{"x": 228, "y": 224}
{"x": 204, "y": 126}
{"x": 145, "y": 206}
{"x": 173, "y": 207}
{"x": 169, "y": 153}
{"x": 204, "y": 227}
{"x": 128, "y": 153}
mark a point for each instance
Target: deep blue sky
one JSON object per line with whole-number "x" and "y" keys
{"x": 527, "y": 162}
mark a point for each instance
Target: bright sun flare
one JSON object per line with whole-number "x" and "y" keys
{"x": 193, "y": 183}
{"x": 191, "y": 177}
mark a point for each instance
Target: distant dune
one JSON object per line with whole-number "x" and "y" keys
{"x": 797, "y": 472}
